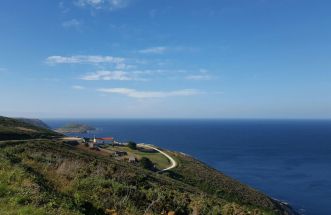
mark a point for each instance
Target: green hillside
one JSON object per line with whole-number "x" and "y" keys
{"x": 48, "y": 176}
{"x": 35, "y": 122}
{"x": 16, "y": 129}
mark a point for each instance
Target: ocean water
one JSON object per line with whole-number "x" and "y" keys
{"x": 289, "y": 160}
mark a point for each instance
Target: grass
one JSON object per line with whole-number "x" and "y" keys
{"x": 47, "y": 176}
{"x": 160, "y": 161}
{"x": 20, "y": 193}
{"x": 14, "y": 129}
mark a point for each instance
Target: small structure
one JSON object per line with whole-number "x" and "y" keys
{"x": 91, "y": 145}
{"x": 95, "y": 142}
{"x": 104, "y": 140}
{"x": 132, "y": 159}
{"x": 120, "y": 153}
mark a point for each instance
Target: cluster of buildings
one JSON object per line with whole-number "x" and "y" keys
{"x": 100, "y": 141}
{"x": 94, "y": 143}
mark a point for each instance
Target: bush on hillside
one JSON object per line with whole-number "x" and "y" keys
{"x": 132, "y": 145}
{"x": 146, "y": 163}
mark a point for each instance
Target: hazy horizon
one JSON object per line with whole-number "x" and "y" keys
{"x": 170, "y": 118}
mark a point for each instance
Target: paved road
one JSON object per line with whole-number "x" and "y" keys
{"x": 172, "y": 161}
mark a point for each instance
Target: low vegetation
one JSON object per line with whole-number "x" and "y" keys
{"x": 159, "y": 160}
{"x": 132, "y": 145}
{"x": 16, "y": 129}
{"x": 146, "y": 163}
{"x": 35, "y": 122}
{"x": 48, "y": 176}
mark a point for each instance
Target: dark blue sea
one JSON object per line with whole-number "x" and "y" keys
{"x": 289, "y": 160}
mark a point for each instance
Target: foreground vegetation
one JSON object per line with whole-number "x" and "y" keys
{"x": 48, "y": 176}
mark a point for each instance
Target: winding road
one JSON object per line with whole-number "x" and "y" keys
{"x": 172, "y": 161}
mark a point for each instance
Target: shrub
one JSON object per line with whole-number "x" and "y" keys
{"x": 3, "y": 190}
{"x": 146, "y": 163}
{"x": 132, "y": 145}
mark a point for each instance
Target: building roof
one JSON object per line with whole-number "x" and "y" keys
{"x": 105, "y": 138}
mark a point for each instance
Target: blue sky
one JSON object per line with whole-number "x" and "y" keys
{"x": 165, "y": 58}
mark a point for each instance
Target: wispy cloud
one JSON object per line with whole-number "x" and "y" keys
{"x": 203, "y": 75}
{"x": 198, "y": 77}
{"x": 154, "y": 50}
{"x": 113, "y": 75}
{"x": 77, "y": 87}
{"x": 144, "y": 75}
{"x": 86, "y": 59}
{"x": 149, "y": 94}
{"x": 63, "y": 7}
{"x": 73, "y": 23}
{"x": 164, "y": 49}
{"x": 103, "y": 4}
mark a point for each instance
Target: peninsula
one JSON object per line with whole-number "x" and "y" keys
{"x": 75, "y": 128}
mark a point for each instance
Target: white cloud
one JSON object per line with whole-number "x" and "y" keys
{"x": 201, "y": 76}
{"x": 149, "y": 94}
{"x": 73, "y": 23}
{"x": 87, "y": 59}
{"x": 112, "y": 75}
{"x": 198, "y": 77}
{"x": 77, "y": 87}
{"x": 103, "y": 4}
{"x": 163, "y": 49}
{"x": 154, "y": 50}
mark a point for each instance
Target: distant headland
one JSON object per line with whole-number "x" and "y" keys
{"x": 75, "y": 128}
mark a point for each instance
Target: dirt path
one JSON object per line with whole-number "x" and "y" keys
{"x": 172, "y": 161}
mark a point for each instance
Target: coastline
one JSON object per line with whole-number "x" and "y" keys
{"x": 248, "y": 151}
{"x": 286, "y": 207}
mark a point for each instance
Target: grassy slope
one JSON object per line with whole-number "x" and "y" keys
{"x": 58, "y": 179}
{"x": 17, "y": 129}
{"x": 49, "y": 177}
{"x": 35, "y": 122}
{"x": 195, "y": 173}
{"x": 157, "y": 158}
